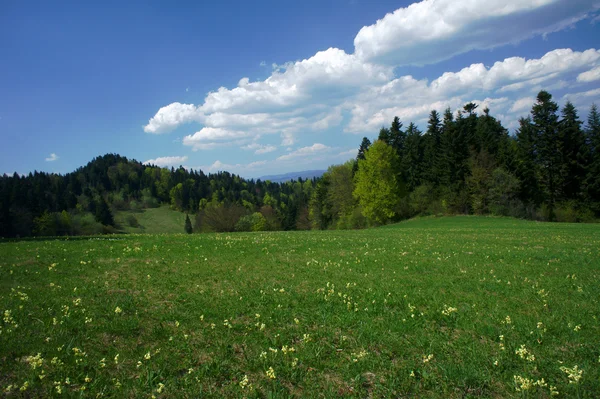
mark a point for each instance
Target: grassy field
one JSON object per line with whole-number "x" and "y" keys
{"x": 152, "y": 221}
{"x": 440, "y": 307}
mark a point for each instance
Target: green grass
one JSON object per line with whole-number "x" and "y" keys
{"x": 363, "y": 311}
{"x": 152, "y": 221}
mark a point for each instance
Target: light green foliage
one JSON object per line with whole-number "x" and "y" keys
{"x": 436, "y": 307}
{"x": 377, "y": 184}
{"x": 253, "y": 222}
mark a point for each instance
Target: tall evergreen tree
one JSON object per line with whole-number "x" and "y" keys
{"x": 103, "y": 213}
{"x": 527, "y": 168}
{"x": 545, "y": 120}
{"x": 431, "y": 149}
{"x": 575, "y": 153}
{"x": 188, "y": 224}
{"x": 397, "y": 136}
{"x": 592, "y": 180}
{"x": 364, "y": 146}
{"x": 385, "y": 136}
{"x": 412, "y": 159}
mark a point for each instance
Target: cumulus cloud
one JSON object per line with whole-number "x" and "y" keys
{"x": 329, "y": 74}
{"x": 210, "y": 137}
{"x": 169, "y": 117}
{"x": 53, "y": 157}
{"x": 167, "y": 161}
{"x": 589, "y": 76}
{"x": 412, "y": 99}
{"x": 435, "y": 30}
{"x": 522, "y": 104}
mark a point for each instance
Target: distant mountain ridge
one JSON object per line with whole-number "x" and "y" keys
{"x": 305, "y": 174}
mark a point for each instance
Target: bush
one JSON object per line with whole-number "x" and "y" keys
{"x": 85, "y": 224}
{"x": 253, "y": 222}
{"x": 132, "y": 221}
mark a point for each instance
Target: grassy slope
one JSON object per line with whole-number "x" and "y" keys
{"x": 153, "y": 221}
{"x": 362, "y": 310}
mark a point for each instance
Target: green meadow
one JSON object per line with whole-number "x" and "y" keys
{"x": 436, "y": 307}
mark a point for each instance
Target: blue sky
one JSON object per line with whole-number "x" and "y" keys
{"x": 269, "y": 87}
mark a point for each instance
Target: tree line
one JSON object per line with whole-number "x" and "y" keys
{"x": 85, "y": 201}
{"x": 464, "y": 163}
{"x": 468, "y": 163}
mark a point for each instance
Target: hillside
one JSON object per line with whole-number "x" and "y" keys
{"x": 151, "y": 221}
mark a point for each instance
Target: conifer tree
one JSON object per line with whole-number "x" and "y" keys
{"x": 431, "y": 149}
{"x": 592, "y": 179}
{"x": 574, "y": 155}
{"x": 545, "y": 121}
{"x": 188, "y": 224}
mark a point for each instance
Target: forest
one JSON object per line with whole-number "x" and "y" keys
{"x": 463, "y": 163}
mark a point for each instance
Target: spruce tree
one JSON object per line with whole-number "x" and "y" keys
{"x": 431, "y": 149}
{"x": 103, "y": 213}
{"x": 545, "y": 121}
{"x": 364, "y": 146}
{"x": 397, "y": 136}
{"x": 592, "y": 180}
{"x": 574, "y": 155}
{"x": 527, "y": 168}
{"x": 188, "y": 224}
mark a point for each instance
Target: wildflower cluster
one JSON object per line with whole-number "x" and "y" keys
{"x": 525, "y": 354}
{"x": 448, "y": 310}
{"x": 574, "y": 374}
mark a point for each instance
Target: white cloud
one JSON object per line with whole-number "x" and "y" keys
{"x": 305, "y": 152}
{"x": 328, "y": 74}
{"x": 53, "y": 157}
{"x": 210, "y": 137}
{"x": 435, "y": 30}
{"x": 589, "y": 76}
{"x": 412, "y": 99}
{"x": 523, "y": 104}
{"x": 259, "y": 148}
{"x": 167, "y": 161}
{"x": 169, "y": 117}
{"x": 584, "y": 99}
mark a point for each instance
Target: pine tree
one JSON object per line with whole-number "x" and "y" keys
{"x": 431, "y": 149}
{"x": 545, "y": 121}
{"x": 411, "y": 162}
{"x": 385, "y": 136}
{"x": 527, "y": 168}
{"x": 397, "y": 137}
{"x": 103, "y": 213}
{"x": 592, "y": 181}
{"x": 364, "y": 146}
{"x": 574, "y": 153}
{"x": 188, "y": 224}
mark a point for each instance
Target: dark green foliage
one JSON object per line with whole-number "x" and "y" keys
{"x": 592, "y": 178}
{"x": 188, "y": 225}
{"x": 113, "y": 182}
{"x": 545, "y": 122}
{"x": 103, "y": 213}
